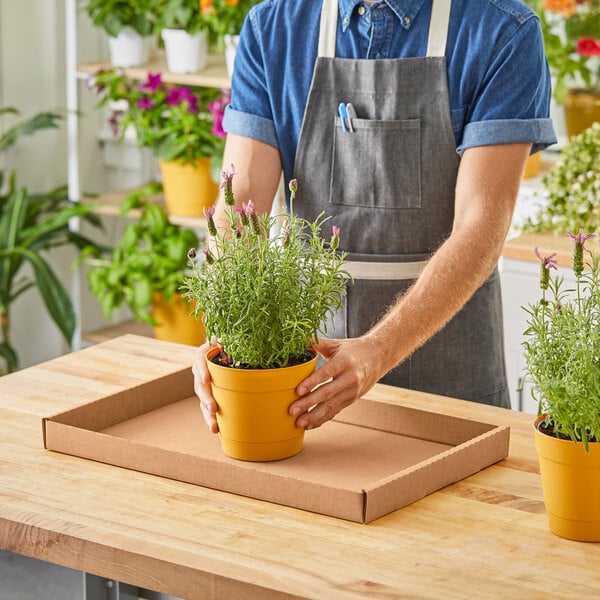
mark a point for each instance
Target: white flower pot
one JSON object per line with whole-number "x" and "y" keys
{"x": 231, "y": 44}
{"x": 185, "y": 53}
{"x": 128, "y": 49}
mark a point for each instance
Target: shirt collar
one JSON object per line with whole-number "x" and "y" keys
{"x": 405, "y": 10}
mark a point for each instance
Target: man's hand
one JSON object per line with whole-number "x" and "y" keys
{"x": 352, "y": 369}
{"x": 203, "y": 388}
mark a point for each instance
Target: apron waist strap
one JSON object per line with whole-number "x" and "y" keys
{"x": 384, "y": 270}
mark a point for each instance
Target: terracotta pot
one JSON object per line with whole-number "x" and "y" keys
{"x": 582, "y": 108}
{"x": 188, "y": 187}
{"x": 532, "y": 166}
{"x": 175, "y": 323}
{"x": 571, "y": 485}
{"x": 253, "y": 418}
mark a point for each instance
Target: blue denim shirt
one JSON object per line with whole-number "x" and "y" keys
{"x": 498, "y": 77}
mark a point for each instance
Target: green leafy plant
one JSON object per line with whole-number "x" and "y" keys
{"x": 113, "y": 15}
{"x": 175, "y": 122}
{"x": 180, "y": 14}
{"x": 225, "y": 16}
{"x": 30, "y": 225}
{"x": 572, "y": 42}
{"x": 562, "y": 347}
{"x": 150, "y": 257}
{"x": 264, "y": 296}
{"x": 573, "y": 188}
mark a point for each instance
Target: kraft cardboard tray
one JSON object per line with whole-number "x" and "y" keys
{"x": 372, "y": 459}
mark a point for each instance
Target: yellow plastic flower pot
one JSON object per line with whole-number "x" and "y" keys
{"x": 188, "y": 187}
{"x": 253, "y": 418}
{"x": 532, "y": 165}
{"x": 571, "y": 486}
{"x": 175, "y": 323}
{"x": 582, "y": 108}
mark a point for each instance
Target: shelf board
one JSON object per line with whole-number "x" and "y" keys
{"x": 108, "y": 333}
{"x": 213, "y": 75}
{"x": 110, "y": 204}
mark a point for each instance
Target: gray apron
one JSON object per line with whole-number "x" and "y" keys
{"x": 389, "y": 185}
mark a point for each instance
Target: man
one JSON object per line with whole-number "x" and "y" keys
{"x": 447, "y": 98}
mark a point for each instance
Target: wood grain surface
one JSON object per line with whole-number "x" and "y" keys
{"x": 483, "y": 537}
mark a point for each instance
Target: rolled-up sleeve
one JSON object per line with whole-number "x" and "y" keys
{"x": 249, "y": 113}
{"x": 513, "y": 102}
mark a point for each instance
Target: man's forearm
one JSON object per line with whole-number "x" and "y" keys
{"x": 484, "y": 207}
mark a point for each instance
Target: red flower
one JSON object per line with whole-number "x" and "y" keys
{"x": 588, "y": 46}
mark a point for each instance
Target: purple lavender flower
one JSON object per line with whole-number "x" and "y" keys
{"x": 209, "y": 257}
{"x": 251, "y": 212}
{"x": 581, "y": 237}
{"x": 548, "y": 262}
{"x": 209, "y": 214}
{"x": 579, "y": 240}
{"x": 241, "y": 210}
{"x": 227, "y": 186}
{"x": 335, "y": 237}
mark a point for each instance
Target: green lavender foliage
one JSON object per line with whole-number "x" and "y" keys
{"x": 266, "y": 297}
{"x": 562, "y": 351}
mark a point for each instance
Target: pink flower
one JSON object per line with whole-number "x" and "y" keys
{"x": 145, "y": 103}
{"x": 153, "y": 82}
{"x": 588, "y": 47}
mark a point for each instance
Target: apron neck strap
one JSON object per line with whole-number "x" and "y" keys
{"x": 438, "y": 28}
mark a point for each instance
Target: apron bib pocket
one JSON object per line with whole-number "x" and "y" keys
{"x": 359, "y": 176}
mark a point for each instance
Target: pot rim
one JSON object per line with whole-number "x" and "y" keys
{"x": 215, "y": 349}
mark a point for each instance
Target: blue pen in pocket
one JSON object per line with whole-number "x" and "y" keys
{"x": 350, "y": 114}
{"x": 343, "y": 115}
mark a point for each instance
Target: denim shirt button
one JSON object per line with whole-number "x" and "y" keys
{"x": 407, "y": 20}
{"x": 361, "y": 10}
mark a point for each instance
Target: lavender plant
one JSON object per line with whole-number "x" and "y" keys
{"x": 265, "y": 297}
{"x": 562, "y": 347}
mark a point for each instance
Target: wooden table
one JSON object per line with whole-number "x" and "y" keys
{"x": 483, "y": 537}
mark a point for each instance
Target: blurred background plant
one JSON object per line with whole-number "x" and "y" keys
{"x": 175, "y": 122}
{"x": 572, "y": 40}
{"x": 224, "y": 17}
{"x": 30, "y": 226}
{"x": 573, "y": 188}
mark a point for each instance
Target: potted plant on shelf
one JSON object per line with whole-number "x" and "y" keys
{"x": 128, "y": 24}
{"x": 264, "y": 298}
{"x": 562, "y": 352}
{"x": 30, "y": 226}
{"x": 572, "y": 188}
{"x": 182, "y": 127}
{"x": 185, "y": 35}
{"x": 145, "y": 271}
{"x": 571, "y": 31}
{"x": 224, "y": 19}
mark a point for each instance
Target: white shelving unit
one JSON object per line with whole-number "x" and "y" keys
{"x": 214, "y": 75}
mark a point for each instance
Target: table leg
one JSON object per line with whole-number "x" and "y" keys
{"x": 100, "y": 588}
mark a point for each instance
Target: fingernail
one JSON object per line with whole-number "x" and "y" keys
{"x": 302, "y": 424}
{"x": 296, "y": 411}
